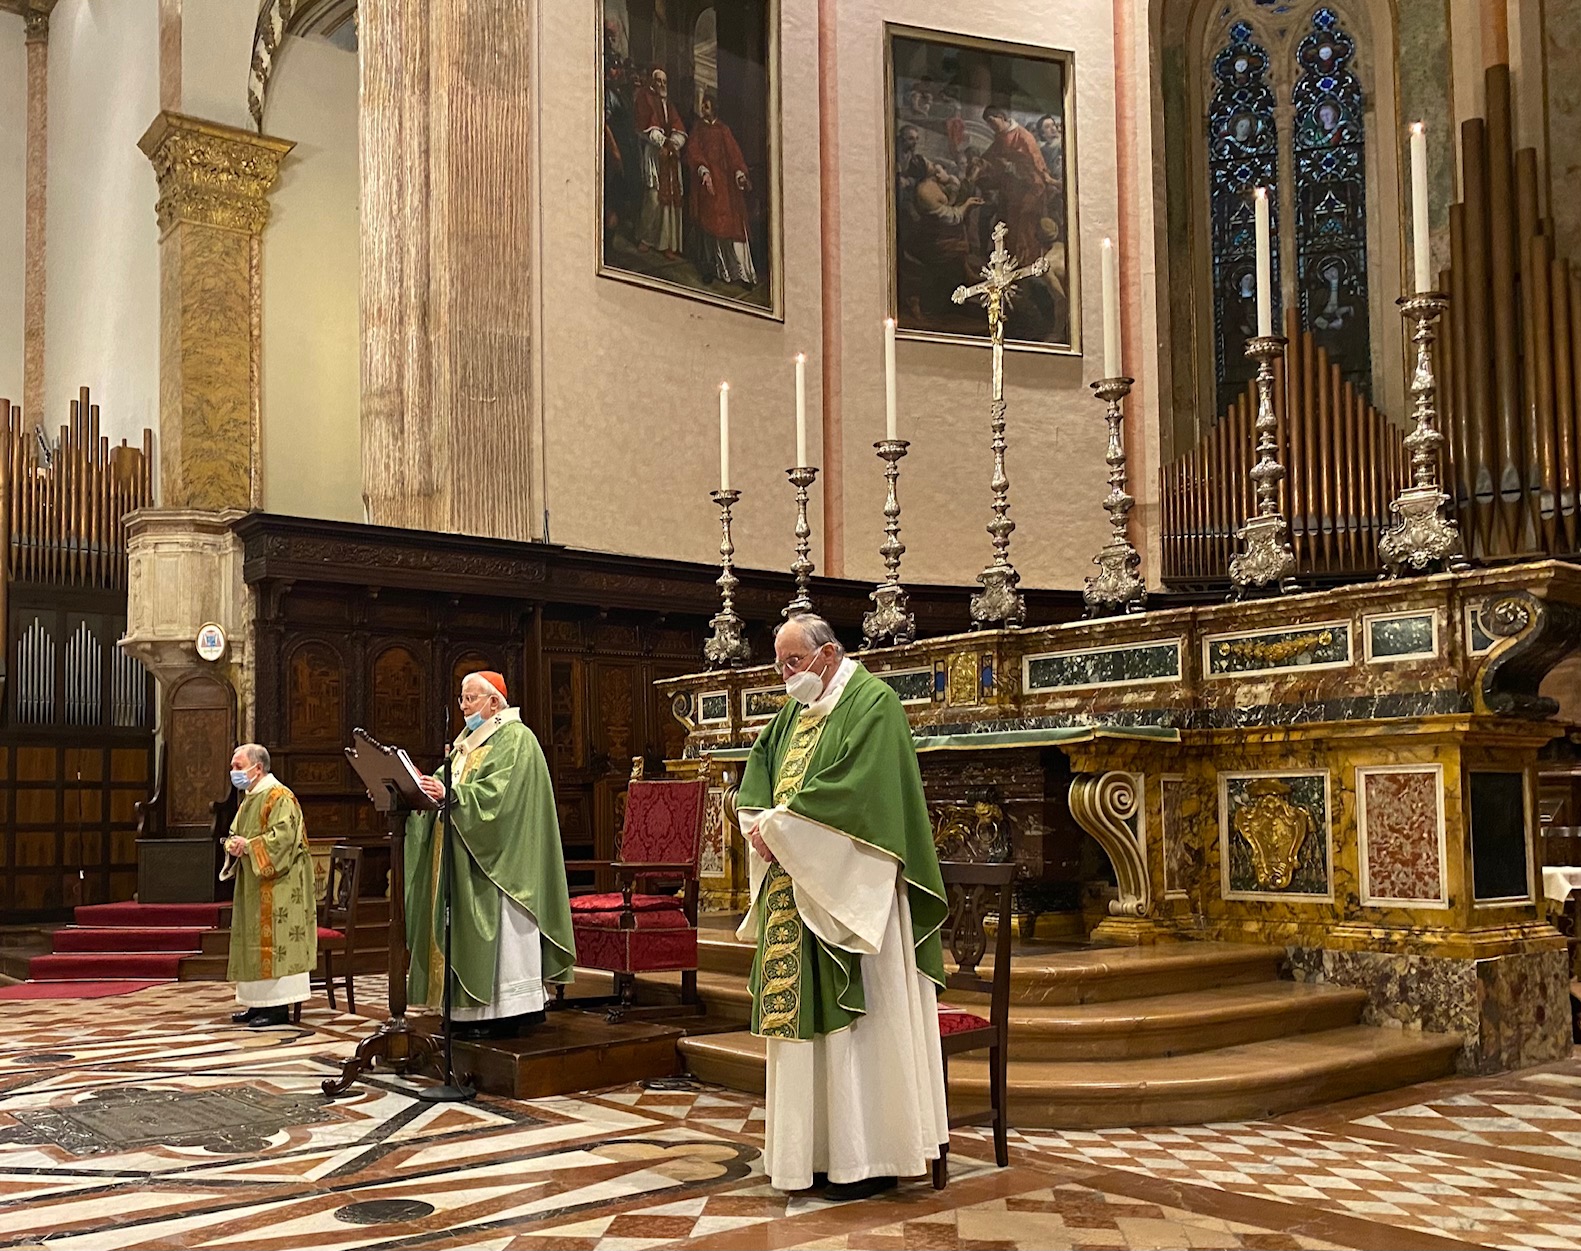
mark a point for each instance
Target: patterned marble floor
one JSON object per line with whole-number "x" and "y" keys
{"x": 149, "y": 1121}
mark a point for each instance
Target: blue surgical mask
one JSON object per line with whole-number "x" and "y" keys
{"x": 240, "y": 779}
{"x": 474, "y": 720}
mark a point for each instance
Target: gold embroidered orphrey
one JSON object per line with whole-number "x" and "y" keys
{"x": 1275, "y": 829}
{"x": 779, "y": 996}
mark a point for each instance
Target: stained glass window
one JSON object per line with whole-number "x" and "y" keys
{"x": 1243, "y": 154}
{"x": 1328, "y": 153}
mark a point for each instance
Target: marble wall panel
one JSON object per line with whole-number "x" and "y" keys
{"x": 1400, "y": 827}
{"x": 1400, "y": 636}
{"x": 1126, "y": 664}
{"x": 914, "y": 686}
{"x": 1321, "y": 645}
{"x": 1182, "y": 852}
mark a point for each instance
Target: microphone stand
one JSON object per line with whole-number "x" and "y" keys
{"x": 451, "y": 1091}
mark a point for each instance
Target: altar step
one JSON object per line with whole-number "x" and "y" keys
{"x": 1173, "y": 1034}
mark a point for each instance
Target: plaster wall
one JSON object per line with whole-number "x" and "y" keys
{"x": 312, "y": 462}
{"x": 13, "y": 201}
{"x": 102, "y": 262}
{"x": 630, "y": 375}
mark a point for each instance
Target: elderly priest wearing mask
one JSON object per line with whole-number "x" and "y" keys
{"x": 510, "y": 909}
{"x": 274, "y": 924}
{"x": 847, "y": 901}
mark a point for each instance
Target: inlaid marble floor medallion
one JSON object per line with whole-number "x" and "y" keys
{"x": 153, "y": 1124}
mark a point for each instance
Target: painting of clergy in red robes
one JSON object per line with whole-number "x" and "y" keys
{"x": 689, "y": 198}
{"x": 981, "y": 132}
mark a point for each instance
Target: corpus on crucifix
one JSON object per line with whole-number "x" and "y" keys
{"x": 999, "y": 601}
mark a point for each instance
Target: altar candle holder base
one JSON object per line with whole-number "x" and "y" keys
{"x": 1117, "y": 587}
{"x": 727, "y": 647}
{"x": 1265, "y": 564}
{"x": 1422, "y": 539}
{"x": 802, "y": 479}
{"x": 891, "y": 617}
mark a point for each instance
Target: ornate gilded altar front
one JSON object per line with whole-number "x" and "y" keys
{"x": 1350, "y": 774}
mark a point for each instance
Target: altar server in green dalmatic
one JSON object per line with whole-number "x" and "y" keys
{"x": 274, "y": 922}
{"x": 847, "y": 902}
{"x": 510, "y": 909}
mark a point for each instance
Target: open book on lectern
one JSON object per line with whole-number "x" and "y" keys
{"x": 388, "y": 773}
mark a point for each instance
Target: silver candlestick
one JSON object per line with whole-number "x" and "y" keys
{"x": 802, "y": 479}
{"x": 891, "y": 617}
{"x": 1422, "y": 538}
{"x": 727, "y": 646}
{"x": 1266, "y": 559}
{"x": 1116, "y": 587}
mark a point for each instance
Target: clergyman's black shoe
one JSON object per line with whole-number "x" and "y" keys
{"x": 269, "y": 1017}
{"x": 242, "y": 1018}
{"x": 844, "y": 1192}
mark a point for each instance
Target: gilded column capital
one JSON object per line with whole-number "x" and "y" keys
{"x": 211, "y": 175}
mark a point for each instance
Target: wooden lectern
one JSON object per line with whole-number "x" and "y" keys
{"x": 395, "y": 792}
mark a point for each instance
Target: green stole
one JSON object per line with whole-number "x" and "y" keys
{"x": 854, "y": 771}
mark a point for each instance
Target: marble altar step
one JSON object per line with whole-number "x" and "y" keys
{"x": 1077, "y": 975}
{"x": 1244, "y": 1082}
{"x": 1161, "y": 1025}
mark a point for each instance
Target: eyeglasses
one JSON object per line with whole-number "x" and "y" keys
{"x": 795, "y": 664}
{"x": 470, "y": 701}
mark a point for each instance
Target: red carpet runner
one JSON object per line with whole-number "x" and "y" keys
{"x": 126, "y": 940}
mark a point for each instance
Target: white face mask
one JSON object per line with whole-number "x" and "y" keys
{"x": 804, "y": 687}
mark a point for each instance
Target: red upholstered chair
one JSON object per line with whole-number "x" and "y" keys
{"x": 337, "y": 920}
{"x": 632, "y": 932}
{"x": 975, "y": 891}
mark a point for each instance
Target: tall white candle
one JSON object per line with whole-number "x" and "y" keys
{"x": 1419, "y": 231}
{"x": 889, "y": 378}
{"x": 724, "y": 436}
{"x": 1265, "y": 268}
{"x": 1111, "y": 312}
{"x": 801, "y": 410}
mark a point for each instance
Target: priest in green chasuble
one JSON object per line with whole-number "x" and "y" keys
{"x": 847, "y": 901}
{"x": 510, "y": 908}
{"x": 274, "y": 913}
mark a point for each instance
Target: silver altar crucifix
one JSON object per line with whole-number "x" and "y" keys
{"x": 999, "y": 600}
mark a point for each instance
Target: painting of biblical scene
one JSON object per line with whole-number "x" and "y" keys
{"x": 689, "y": 148}
{"x": 981, "y": 132}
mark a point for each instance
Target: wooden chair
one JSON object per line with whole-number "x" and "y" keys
{"x": 630, "y": 932}
{"x": 975, "y": 891}
{"x": 337, "y": 921}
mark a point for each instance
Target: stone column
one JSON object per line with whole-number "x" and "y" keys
{"x": 36, "y": 182}
{"x": 185, "y": 562}
{"x": 447, "y": 412}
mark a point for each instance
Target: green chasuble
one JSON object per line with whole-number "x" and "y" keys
{"x": 853, "y": 771}
{"x": 274, "y": 921}
{"x": 505, "y": 837}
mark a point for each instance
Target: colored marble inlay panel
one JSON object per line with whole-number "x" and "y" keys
{"x": 762, "y": 702}
{"x": 1327, "y": 644}
{"x": 1104, "y": 666}
{"x": 714, "y": 706}
{"x": 711, "y": 856}
{"x": 1180, "y": 864}
{"x": 912, "y": 685}
{"x": 1276, "y": 831}
{"x": 1391, "y": 638}
{"x": 1400, "y": 816}
{"x": 1478, "y": 640}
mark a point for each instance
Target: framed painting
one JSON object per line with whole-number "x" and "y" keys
{"x": 981, "y": 132}
{"x": 689, "y": 187}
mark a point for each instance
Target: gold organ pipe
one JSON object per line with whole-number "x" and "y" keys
{"x": 1502, "y": 277}
{"x": 1480, "y": 420}
{"x": 1540, "y": 365}
{"x": 1564, "y": 398}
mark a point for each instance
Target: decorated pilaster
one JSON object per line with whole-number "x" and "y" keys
{"x": 184, "y": 571}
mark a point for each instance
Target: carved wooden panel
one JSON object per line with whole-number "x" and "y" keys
{"x": 614, "y": 725}
{"x": 396, "y": 697}
{"x": 201, "y": 731}
{"x": 567, "y": 735}
{"x": 315, "y": 695}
